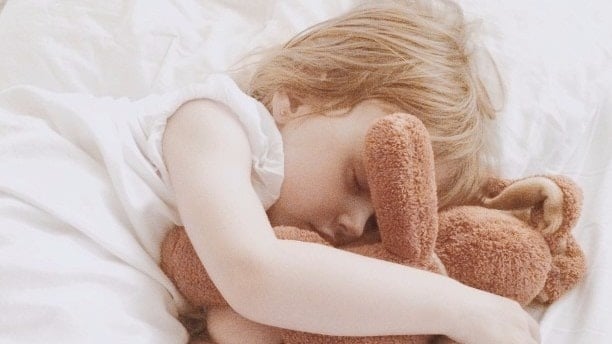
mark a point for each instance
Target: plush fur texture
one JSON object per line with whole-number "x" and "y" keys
{"x": 523, "y": 249}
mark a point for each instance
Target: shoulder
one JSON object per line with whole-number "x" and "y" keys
{"x": 204, "y": 128}
{"x": 200, "y": 116}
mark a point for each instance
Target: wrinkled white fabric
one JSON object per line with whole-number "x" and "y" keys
{"x": 86, "y": 200}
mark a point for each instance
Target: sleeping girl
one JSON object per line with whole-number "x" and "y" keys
{"x": 89, "y": 187}
{"x": 323, "y": 89}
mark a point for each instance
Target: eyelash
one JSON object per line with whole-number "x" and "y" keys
{"x": 356, "y": 182}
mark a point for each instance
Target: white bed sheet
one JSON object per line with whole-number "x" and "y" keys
{"x": 555, "y": 57}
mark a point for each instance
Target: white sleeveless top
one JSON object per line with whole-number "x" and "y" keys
{"x": 262, "y": 133}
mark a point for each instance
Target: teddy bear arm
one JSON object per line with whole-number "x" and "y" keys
{"x": 181, "y": 264}
{"x": 400, "y": 169}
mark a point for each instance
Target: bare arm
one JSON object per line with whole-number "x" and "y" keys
{"x": 290, "y": 284}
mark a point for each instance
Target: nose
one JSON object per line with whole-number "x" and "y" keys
{"x": 351, "y": 224}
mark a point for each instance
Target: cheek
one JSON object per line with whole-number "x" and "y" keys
{"x": 314, "y": 172}
{"x": 301, "y": 187}
{"x": 312, "y": 191}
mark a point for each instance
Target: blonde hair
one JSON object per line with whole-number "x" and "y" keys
{"x": 413, "y": 56}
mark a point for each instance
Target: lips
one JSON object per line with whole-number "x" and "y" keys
{"x": 332, "y": 238}
{"x": 329, "y": 237}
{"x": 336, "y": 239}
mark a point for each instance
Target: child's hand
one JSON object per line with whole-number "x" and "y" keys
{"x": 495, "y": 319}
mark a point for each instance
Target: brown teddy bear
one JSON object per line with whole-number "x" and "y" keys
{"x": 517, "y": 243}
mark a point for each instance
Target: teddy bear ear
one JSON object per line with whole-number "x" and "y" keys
{"x": 400, "y": 169}
{"x": 554, "y": 203}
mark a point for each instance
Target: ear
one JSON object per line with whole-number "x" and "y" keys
{"x": 554, "y": 201}
{"x": 400, "y": 168}
{"x": 286, "y": 107}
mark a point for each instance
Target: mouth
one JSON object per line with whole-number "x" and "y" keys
{"x": 338, "y": 241}
{"x": 329, "y": 237}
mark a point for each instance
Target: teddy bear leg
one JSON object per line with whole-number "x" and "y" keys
{"x": 225, "y": 326}
{"x": 566, "y": 271}
{"x": 493, "y": 251}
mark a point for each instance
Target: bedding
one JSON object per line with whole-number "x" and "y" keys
{"x": 91, "y": 168}
{"x": 555, "y": 58}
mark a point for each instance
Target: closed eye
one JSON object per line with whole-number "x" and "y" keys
{"x": 357, "y": 178}
{"x": 358, "y": 186}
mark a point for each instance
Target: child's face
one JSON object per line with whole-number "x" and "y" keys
{"x": 325, "y": 186}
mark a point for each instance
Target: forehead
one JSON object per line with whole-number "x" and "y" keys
{"x": 359, "y": 119}
{"x": 373, "y": 107}
{"x": 350, "y": 128}
{"x": 340, "y": 129}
